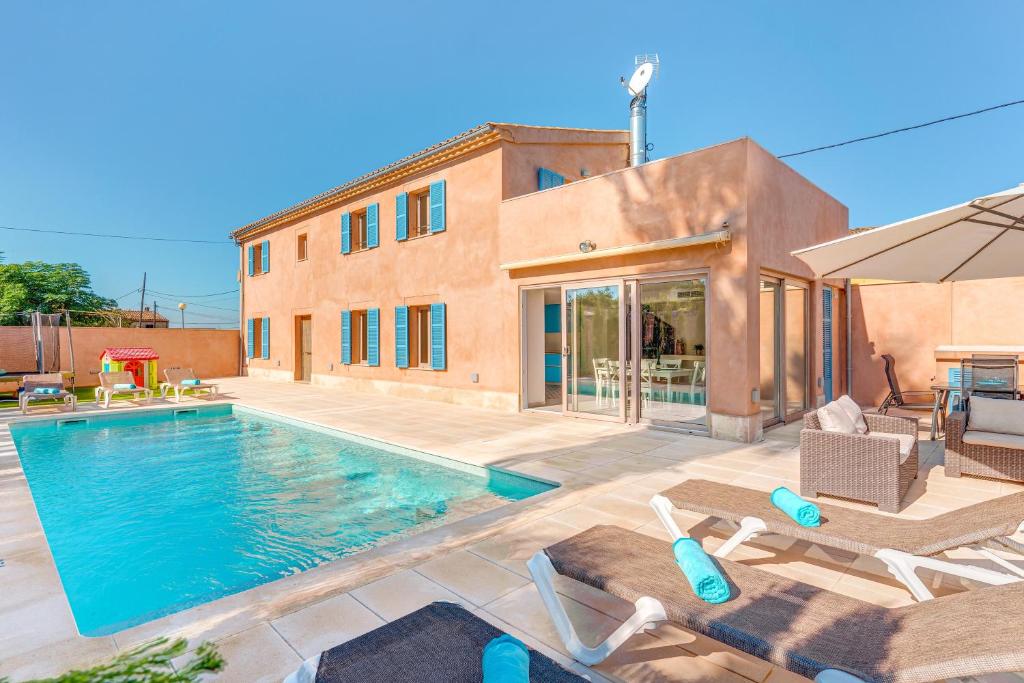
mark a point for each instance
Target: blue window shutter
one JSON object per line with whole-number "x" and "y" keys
{"x": 346, "y": 337}
{"x": 401, "y": 336}
{"x": 266, "y": 338}
{"x": 373, "y": 337}
{"x": 266, "y": 256}
{"x": 372, "y": 233}
{"x": 826, "y": 334}
{"x": 250, "y": 337}
{"x": 402, "y": 216}
{"x": 547, "y": 179}
{"x": 437, "y": 341}
{"x": 346, "y": 233}
{"x": 252, "y": 260}
{"x": 437, "y": 208}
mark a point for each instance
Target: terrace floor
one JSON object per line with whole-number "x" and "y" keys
{"x": 608, "y": 473}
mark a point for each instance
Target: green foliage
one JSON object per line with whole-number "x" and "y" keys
{"x": 150, "y": 663}
{"x": 50, "y": 288}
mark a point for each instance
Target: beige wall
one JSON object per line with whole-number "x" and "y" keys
{"x": 211, "y": 353}
{"x": 908, "y": 320}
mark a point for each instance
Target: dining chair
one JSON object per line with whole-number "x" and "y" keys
{"x": 601, "y": 377}
{"x": 698, "y": 382}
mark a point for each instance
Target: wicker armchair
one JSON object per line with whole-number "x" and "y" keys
{"x": 863, "y": 467}
{"x": 977, "y": 459}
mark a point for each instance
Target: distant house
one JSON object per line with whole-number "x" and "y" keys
{"x": 119, "y": 317}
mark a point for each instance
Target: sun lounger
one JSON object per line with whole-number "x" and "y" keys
{"x": 439, "y": 643}
{"x": 176, "y": 381}
{"x": 53, "y": 380}
{"x": 904, "y": 545}
{"x": 108, "y": 387}
{"x": 808, "y": 630}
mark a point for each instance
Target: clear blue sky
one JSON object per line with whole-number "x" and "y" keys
{"x": 187, "y": 119}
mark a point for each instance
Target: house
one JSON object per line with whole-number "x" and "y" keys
{"x": 530, "y": 268}
{"x": 121, "y": 317}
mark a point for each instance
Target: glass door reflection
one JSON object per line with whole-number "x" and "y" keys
{"x": 594, "y": 372}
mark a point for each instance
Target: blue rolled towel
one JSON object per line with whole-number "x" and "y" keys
{"x": 45, "y": 390}
{"x": 506, "y": 660}
{"x": 701, "y": 571}
{"x": 190, "y": 382}
{"x": 124, "y": 387}
{"x": 803, "y": 512}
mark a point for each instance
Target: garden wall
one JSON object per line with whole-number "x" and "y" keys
{"x": 211, "y": 353}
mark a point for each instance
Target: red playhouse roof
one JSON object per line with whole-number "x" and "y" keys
{"x": 129, "y": 353}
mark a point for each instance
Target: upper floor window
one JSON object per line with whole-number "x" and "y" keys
{"x": 359, "y": 229}
{"x": 302, "y": 247}
{"x": 421, "y": 212}
{"x": 259, "y": 258}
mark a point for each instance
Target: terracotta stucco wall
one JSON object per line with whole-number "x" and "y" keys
{"x": 458, "y": 267}
{"x": 211, "y": 353}
{"x": 908, "y": 320}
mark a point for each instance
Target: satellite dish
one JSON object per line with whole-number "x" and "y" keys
{"x": 640, "y": 78}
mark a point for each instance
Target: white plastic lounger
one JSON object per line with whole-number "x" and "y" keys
{"x": 904, "y": 545}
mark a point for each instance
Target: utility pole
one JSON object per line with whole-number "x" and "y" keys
{"x": 154, "y": 313}
{"x": 142, "y": 301}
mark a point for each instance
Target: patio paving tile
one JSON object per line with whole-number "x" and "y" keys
{"x": 256, "y": 655}
{"x": 399, "y": 594}
{"x": 471, "y": 576}
{"x": 320, "y": 627}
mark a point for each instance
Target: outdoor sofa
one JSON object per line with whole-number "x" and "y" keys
{"x": 873, "y": 459}
{"x": 54, "y": 381}
{"x": 904, "y": 545}
{"x": 986, "y": 439}
{"x": 808, "y": 630}
{"x": 439, "y": 643}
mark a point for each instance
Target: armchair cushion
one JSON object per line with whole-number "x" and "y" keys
{"x": 907, "y": 442}
{"x": 996, "y": 415}
{"x": 854, "y": 412}
{"x": 833, "y": 418}
{"x": 995, "y": 439}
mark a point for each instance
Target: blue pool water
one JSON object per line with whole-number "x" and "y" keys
{"x": 149, "y": 514}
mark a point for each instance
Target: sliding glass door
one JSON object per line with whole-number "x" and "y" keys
{"x": 784, "y": 319}
{"x": 593, "y": 350}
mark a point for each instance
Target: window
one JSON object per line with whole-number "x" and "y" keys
{"x": 420, "y": 213}
{"x": 259, "y": 258}
{"x": 359, "y": 241}
{"x": 256, "y": 338}
{"x": 359, "y": 337}
{"x": 419, "y": 336}
{"x": 301, "y": 247}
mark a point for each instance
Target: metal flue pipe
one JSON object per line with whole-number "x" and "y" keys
{"x": 638, "y": 130}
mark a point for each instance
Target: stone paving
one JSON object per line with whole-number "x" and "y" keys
{"x": 608, "y": 473}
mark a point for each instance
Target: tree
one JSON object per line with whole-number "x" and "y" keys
{"x": 49, "y": 288}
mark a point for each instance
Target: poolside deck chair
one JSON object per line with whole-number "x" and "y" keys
{"x": 439, "y": 643}
{"x": 109, "y": 380}
{"x": 810, "y": 631}
{"x": 53, "y": 380}
{"x": 904, "y": 545}
{"x": 175, "y": 381}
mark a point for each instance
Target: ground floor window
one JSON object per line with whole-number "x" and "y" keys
{"x": 420, "y": 333}
{"x": 360, "y": 337}
{"x": 258, "y": 338}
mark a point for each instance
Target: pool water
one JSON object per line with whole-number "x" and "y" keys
{"x": 148, "y": 514}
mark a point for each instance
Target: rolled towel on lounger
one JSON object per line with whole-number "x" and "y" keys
{"x": 49, "y": 391}
{"x": 701, "y": 571}
{"x": 190, "y": 382}
{"x": 803, "y": 512}
{"x": 124, "y": 387}
{"x": 506, "y": 660}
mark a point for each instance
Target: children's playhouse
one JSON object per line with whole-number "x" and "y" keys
{"x": 138, "y": 360}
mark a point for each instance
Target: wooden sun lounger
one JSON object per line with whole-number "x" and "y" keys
{"x": 904, "y": 545}
{"x": 105, "y": 391}
{"x": 53, "y": 380}
{"x": 810, "y": 631}
{"x": 439, "y": 643}
{"x": 174, "y": 382}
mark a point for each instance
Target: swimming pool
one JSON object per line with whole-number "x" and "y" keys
{"x": 151, "y": 512}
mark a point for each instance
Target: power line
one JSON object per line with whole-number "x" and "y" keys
{"x": 225, "y": 243}
{"x": 903, "y": 130}
{"x": 194, "y": 296}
